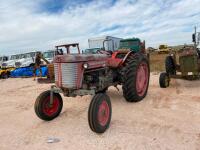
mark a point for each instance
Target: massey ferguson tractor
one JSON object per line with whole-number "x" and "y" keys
{"x": 182, "y": 64}
{"x": 92, "y": 74}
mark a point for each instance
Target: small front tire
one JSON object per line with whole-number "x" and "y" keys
{"x": 164, "y": 80}
{"x": 99, "y": 113}
{"x": 46, "y": 111}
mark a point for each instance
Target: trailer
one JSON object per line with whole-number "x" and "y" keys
{"x": 108, "y": 42}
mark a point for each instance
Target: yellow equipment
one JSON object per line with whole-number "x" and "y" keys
{"x": 5, "y": 72}
{"x": 163, "y": 49}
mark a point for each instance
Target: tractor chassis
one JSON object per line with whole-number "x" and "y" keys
{"x": 184, "y": 77}
{"x": 80, "y": 92}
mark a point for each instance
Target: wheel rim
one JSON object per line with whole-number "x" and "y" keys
{"x": 103, "y": 113}
{"x": 49, "y": 109}
{"x": 142, "y": 79}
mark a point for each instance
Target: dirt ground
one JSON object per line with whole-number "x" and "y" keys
{"x": 167, "y": 119}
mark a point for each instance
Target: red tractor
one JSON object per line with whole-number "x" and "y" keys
{"x": 92, "y": 74}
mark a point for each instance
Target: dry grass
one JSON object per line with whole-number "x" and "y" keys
{"x": 157, "y": 62}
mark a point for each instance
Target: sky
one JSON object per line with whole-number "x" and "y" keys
{"x": 41, "y": 24}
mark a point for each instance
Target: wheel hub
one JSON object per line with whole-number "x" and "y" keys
{"x": 50, "y": 109}
{"x": 103, "y": 113}
{"x": 142, "y": 79}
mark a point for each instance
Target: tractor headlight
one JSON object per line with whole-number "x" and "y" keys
{"x": 86, "y": 66}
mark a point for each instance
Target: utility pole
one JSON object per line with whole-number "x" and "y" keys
{"x": 196, "y": 37}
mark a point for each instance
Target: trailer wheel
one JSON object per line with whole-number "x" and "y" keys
{"x": 44, "y": 110}
{"x": 164, "y": 80}
{"x": 135, "y": 78}
{"x": 99, "y": 113}
{"x": 170, "y": 66}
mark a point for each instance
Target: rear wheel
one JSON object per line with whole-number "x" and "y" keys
{"x": 164, "y": 80}
{"x": 170, "y": 66}
{"x": 46, "y": 111}
{"x": 99, "y": 114}
{"x": 136, "y": 78}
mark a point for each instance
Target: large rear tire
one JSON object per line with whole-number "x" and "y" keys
{"x": 170, "y": 66}
{"x": 46, "y": 111}
{"x": 99, "y": 113}
{"x": 135, "y": 77}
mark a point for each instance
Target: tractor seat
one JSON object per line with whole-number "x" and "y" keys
{"x": 80, "y": 57}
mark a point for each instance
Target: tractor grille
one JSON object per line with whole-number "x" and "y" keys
{"x": 66, "y": 75}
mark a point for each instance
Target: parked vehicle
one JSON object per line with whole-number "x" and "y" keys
{"x": 91, "y": 50}
{"x": 49, "y": 55}
{"x": 3, "y": 59}
{"x": 182, "y": 64}
{"x": 26, "y": 60}
{"x": 92, "y": 74}
{"x": 133, "y": 44}
{"x": 108, "y": 42}
{"x": 5, "y": 72}
{"x": 11, "y": 62}
{"x": 163, "y": 49}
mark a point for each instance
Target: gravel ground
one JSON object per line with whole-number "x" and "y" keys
{"x": 166, "y": 119}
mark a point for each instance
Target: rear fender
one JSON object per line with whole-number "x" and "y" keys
{"x": 116, "y": 62}
{"x": 113, "y": 61}
{"x": 125, "y": 58}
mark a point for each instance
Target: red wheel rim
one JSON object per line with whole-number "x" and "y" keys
{"x": 49, "y": 109}
{"x": 103, "y": 113}
{"x": 142, "y": 79}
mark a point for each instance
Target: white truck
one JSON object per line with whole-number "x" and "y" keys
{"x": 108, "y": 42}
{"x": 3, "y": 59}
{"x": 11, "y": 61}
{"x": 26, "y": 60}
{"x": 49, "y": 55}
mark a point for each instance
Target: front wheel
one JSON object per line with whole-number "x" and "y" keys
{"x": 44, "y": 109}
{"x": 99, "y": 114}
{"x": 164, "y": 80}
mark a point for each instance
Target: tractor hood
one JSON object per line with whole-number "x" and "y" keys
{"x": 73, "y": 58}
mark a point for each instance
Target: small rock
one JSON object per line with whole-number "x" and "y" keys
{"x": 53, "y": 140}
